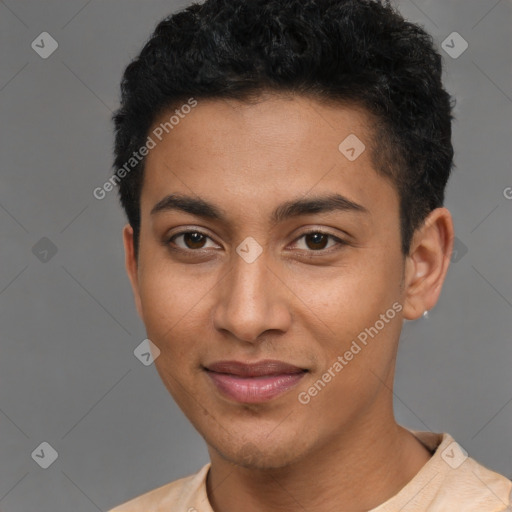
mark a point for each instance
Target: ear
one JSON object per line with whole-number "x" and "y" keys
{"x": 427, "y": 263}
{"x": 131, "y": 265}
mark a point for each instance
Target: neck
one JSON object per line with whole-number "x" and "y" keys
{"x": 361, "y": 469}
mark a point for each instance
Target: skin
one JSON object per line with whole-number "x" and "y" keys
{"x": 301, "y": 301}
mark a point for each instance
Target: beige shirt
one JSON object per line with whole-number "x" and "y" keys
{"x": 449, "y": 482}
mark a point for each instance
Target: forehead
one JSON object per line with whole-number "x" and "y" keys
{"x": 269, "y": 150}
{"x": 273, "y": 122}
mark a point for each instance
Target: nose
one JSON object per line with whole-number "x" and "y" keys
{"x": 251, "y": 300}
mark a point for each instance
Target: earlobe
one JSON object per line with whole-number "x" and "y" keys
{"x": 131, "y": 265}
{"x": 427, "y": 263}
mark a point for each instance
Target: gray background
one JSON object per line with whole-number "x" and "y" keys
{"x": 68, "y": 375}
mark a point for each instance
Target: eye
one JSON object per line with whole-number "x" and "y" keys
{"x": 191, "y": 240}
{"x": 194, "y": 240}
{"x": 316, "y": 241}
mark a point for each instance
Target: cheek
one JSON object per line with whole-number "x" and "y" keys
{"x": 167, "y": 292}
{"x": 171, "y": 324}
{"x": 351, "y": 297}
{"x": 175, "y": 306}
{"x": 353, "y": 372}
{"x": 160, "y": 303}
{"x": 165, "y": 313}
{"x": 358, "y": 308}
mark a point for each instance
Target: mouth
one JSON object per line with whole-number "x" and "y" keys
{"x": 254, "y": 382}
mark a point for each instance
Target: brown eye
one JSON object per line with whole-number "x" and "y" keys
{"x": 188, "y": 240}
{"x": 194, "y": 240}
{"x": 317, "y": 240}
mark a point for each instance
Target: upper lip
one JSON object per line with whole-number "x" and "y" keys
{"x": 267, "y": 367}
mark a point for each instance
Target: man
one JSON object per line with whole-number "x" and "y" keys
{"x": 282, "y": 164}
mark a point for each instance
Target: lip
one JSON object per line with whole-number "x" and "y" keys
{"x": 256, "y": 382}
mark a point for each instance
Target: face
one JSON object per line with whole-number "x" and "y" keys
{"x": 279, "y": 255}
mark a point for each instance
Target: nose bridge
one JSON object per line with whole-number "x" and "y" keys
{"x": 248, "y": 303}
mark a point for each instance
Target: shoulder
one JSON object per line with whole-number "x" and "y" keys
{"x": 450, "y": 480}
{"x": 478, "y": 487}
{"x": 179, "y": 492}
{"x": 462, "y": 482}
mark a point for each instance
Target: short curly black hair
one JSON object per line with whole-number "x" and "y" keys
{"x": 352, "y": 52}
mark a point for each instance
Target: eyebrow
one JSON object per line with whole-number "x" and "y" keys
{"x": 294, "y": 208}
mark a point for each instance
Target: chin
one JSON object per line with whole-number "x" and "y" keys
{"x": 260, "y": 455}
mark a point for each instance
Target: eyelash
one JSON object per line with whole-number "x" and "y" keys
{"x": 340, "y": 242}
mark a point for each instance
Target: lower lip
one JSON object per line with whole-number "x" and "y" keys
{"x": 252, "y": 390}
